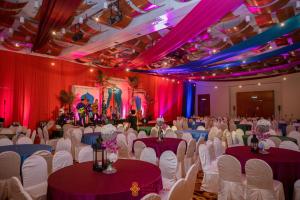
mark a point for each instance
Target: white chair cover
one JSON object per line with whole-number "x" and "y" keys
{"x": 24, "y": 140}
{"x": 85, "y": 154}
{"x": 41, "y": 136}
{"x": 76, "y": 143}
{"x": 186, "y": 136}
{"x": 121, "y": 137}
{"x": 296, "y": 195}
{"x": 230, "y": 179}
{"x": 190, "y": 180}
{"x": 229, "y": 138}
{"x": 296, "y": 135}
{"x": 151, "y": 196}
{"x": 148, "y": 155}
{"x": 170, "y": 134}
{"x": 130, "y": 138}
{"x": 35, "y": 175}
{"x": 5, "y": 142}
{"x": 213, "y": 132}
{"x": 10, "y": 163}
{"x": 211, "y": 176}
{"x": 63, "y": 145}
{"x": 189, "y": 157}
{"x": 16, "y": 190}
{"x": 88, "y": 130}
{"x": 123, "y": 151}
{"x": 97, "y": 129}
{"x": 33, "y": 136}
{"x": 201, "y": 128}
{"x": 174, "y": 128}
{"x": 28, "y": 133}
{"x": 260, "y": 183}
{"x": 47, "y": 155}
{"x": 269, "y": 143}
{"x": 138, "y": 148}
{"x": 178, "y": 191}
{"x": 218, "y": 147}
{"x": 239, "y": 137}
{"x": 61, "y": 159}
{"x": 180, "y": 153}
{"x": 142, "y": 134}
{"x": 249, "y": 140}
{"x": 7, "y": 131}
{"x": 276, "y": 141}
{"x": 154, "y": 132}
{"x": 289, "y": 129}
{"x": 168, "y": 165}
{"x": 289, "y": 145}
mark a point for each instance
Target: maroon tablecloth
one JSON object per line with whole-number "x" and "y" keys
{"x": 160, "y": 146}
{"x": 79, "y": 181}
{"x": 284, "y": 163}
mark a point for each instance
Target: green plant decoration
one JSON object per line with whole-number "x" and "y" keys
{"x": 66, "y": 98}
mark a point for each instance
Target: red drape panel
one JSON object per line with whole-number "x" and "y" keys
{"x": 53, "y": 15}
{"x": 29, "y": 88}
{"x": 203, "y": 15}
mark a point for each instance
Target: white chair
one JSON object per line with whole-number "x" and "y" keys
{"x": 178, "y": 191}
{"x": 289, "y": 145}
{"x": 28, "y": 133}
{"x": 276, "y": 141}
{"x": 148, "y": 155}
{"x": 174, "y": 128}
{"x": 35, "y": 175}
{"x": 24, "y": 140}
{"x": 130, "y": 138}
{"x": 260, "y": 183}
{"x": 33, "y": 136}
{"x": 7, "y": 131}
{"x": 295, "y": 135}
{"x": 211, "y": 176}
{"x": 239, "y": 137}
{"x": 41, "y": 136}
{"x": 76, "y": 136}
{"x": 88, "y": 130}
{"x": 290, "y": 128}
{"x": 231, "y": 183}
{"x": 123, "y": 151}
{"x": 201, "y": 128}
{"x": 249, "y": 140}
{"x": 269, "y": 143}
{"x": 151, "y": 196}
{"x": 63, "y": 145}
{"x": 218, "y": 147}
{"x": 121, "y": 137}
{"x": 48, "y": 157}
{"x": 97, "y": 129}
{"x": 61, "y": 159}
{"x": 213, "y": 133}
{"x": 138, "y": 148}
{"x": 296, "y": 195}
{"x": 168, "y": 166}
{"x": 229, "y": 138}
{"x": 85, "y": 154}
{"x": 190, "y": 180}
{"x": 170, "y": 134}
{"x": 180, "y": 154}
{"x": 187, "y": 136}
{"x": 16, "y": 190}
{"x": 142, "y": 134}
{"x": 189, "y": 156}
{"x": 5, "y": 142}
{"x": 10, "y": 163}
{"x": 154, "y": 132}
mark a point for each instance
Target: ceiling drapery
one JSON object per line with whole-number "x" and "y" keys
{"x": 54, "y": 15}
{"x": 198, "y": 20}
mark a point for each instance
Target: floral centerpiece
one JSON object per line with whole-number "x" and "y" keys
{"x": 160, "y": 123}
{"x": 262, "y": 133}
{"x": 110, "y": 144}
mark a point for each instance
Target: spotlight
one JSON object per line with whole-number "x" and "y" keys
{"x": 282, "y": 24}
{"x": 202, "y": 77}
{"x": 214, "y": 74}
{"x": 216, "y": 87}
{"x": 214, "y": 51}
{"x": 127, "y": 69}
{"x": 52, "y": 64}
{"x": 284, "y": 78}
{"x": 244, "y": 61}
{"x": 270, "y": 47}
{"x": 53, "y": 32}
{"x": 259, "y": 84}
{"x": 17, "y": 45}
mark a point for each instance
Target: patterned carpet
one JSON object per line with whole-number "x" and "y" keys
{"x": 201, "y": 195}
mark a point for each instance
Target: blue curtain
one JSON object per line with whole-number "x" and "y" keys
{"x": 109, "y": 97}
{"x": 118, "y": 98}
{"x": 138, "y": 103}
{"x": 188, "y": 103}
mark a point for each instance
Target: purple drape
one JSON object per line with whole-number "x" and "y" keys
{"x": 203, "y": 15}
{"x": 54, "y": 15}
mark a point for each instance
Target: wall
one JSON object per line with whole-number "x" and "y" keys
{"x": 30, "y": 85}
{"x": 287, "y": 94}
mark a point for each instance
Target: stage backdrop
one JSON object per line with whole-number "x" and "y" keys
{"x": 30, "y": 85}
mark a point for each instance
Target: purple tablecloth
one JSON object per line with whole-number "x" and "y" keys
{"x": 284, "y": 163}
{"x": 79, "y": 181}
{"x": 160, "y": 146}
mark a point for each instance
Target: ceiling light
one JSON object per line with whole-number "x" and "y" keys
{"x": 22, "y": 19}
{"x": 127, "y": 69}
{"x": 259, "y": 84}
{"x": 163, "y": 78}
{"x": 214, "y": 51}
{"x": 235, "y": 28}
{"x": 284, "y": 78}
{"x": 167, "y": 79}
{"x": 190, "y": 80}
{"x": 240, "y": 86}
{"x": 244, "y": 61}
{"x": 270, "y": 47}
{"x": 17, "y": 45}
{"x": 282, "y": 24}
{"x": 53, "y": 33}
{"x": 227, "y": 68}
{"x": 216, "y": 87}
{"x": 52, "y": 64}
{"x": 91, "y": 70}
{"x": 202, "y": 77}
{"x": 203, "y": 99}
{"x": 173, "y": 80}
{"x": 178, "y": 82}
{"x": 214, "y": 74}
{"x": 253, "y": 97}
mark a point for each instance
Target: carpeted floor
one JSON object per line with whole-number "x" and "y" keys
{"x": 201, "y": 195}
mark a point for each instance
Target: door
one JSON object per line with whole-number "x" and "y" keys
{"x": 203, "y": 105}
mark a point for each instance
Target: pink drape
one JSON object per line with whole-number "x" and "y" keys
{"x": 206, "y": 13}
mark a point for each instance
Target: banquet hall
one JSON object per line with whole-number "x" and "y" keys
{"x": 149, "y": 99}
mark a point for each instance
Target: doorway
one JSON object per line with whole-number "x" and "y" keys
{"x": 203, "y": 105}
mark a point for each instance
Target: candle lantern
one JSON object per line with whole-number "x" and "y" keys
{"x": 99, "y": 155}
{"x": 254, "y": 144}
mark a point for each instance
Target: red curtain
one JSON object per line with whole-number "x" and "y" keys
{"x": 30, "y": 85}
{"x": 53, "y": 15}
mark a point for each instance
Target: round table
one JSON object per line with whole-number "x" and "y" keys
{"x": 90, "y": 138}
{"x": 285, "y": 164}
{"x": 81, "y": 182}
{"x": 25, "y": 150}
{"x": 160, "y": 146}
